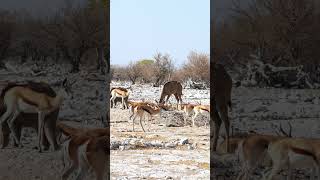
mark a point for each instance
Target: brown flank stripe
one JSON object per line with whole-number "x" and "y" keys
{"x": 205, "y": 109}
{"x": 146, "y": 109}
{"x": 28, "y": 101}
{"x": 304, "y": 152}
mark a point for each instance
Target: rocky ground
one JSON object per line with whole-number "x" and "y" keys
{"x": 262, "y": 110}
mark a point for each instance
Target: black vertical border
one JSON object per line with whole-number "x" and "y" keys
{"x": 211, "y": 85}
{"x": 107, "y": 87}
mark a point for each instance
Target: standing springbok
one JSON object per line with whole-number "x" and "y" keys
{"x": 172, "y": 87}
{"x": 221, "y": 99}
{"x": 123, "y": 93}
{"x": 200, "y": 109}
{"x": 18, "y": 99}
{"x": 141, "y": 110}
{"x": 253, "y": 151}
{"x": 289, "y": 153}
{"x": 87, "y": 149}
{"x": 188, "y": 109}
{"x": 134, "y": 104}
{"x": 31, "y": 120}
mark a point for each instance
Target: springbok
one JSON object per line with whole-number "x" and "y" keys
{"x": 72, "y": 131}
{"x": 234, "y": 142}
{"x": 31, "y": 120}
{"x": 289, "y": 153}
{"x": 172, "y": 87}
{"x": 253, "y": 151}
{"x": 187, "y": 109}
{"x": 200, "y": 109}
{"x": 123, "y": 93}
{"x": 141, "y": 110}
{"x": 134, "y": 104}
{"x": 221, "y": 99}
{"x": 87, "y": 149}
{"x": 24, "y": 99}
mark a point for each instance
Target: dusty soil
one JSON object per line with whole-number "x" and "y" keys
{"x": 262, "y": 110}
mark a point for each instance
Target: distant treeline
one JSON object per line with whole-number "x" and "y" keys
{"x": 161, "y": 69}
{"x": 69, "y": 35}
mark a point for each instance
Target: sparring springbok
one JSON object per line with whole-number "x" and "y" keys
{"x": 141, "y": 110}
{"x": 221, "y": 99}
{"x": 87, "y": 149}
{"x": 23, "y": 99}
{"x": 171, "y": 87}
{"x": 123, "y": 93}
{"x": 200, "y": 109}
{"x": 253, "y": 149}
{"x": 289, "y": 153}
{"x": 31, "y": 120}
{"x": 134, "y": 104}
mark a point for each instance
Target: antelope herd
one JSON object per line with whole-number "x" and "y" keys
{"x": 142, "y": 108}
{"x": 37, "y": 105}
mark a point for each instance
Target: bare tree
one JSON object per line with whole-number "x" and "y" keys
{"x": 197, "y": 67}
{"x": 163, "y": 68}
{"x": 133, "y": 72}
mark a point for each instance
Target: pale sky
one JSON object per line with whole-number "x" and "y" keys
{"x": 141, "y": 28}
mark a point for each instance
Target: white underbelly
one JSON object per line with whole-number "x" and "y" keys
{"x": 204, "y": 112}
{"x": 300, "y": 160}
{"x": 26, "y": 108}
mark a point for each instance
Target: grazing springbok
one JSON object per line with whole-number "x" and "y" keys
{"x": 25, "y": 99}
{"x": 221, "y": 99}
{"x": 141, "y": 110}
{"x": 253, "y": 151}
{"x": 200, "y": 109}
{"x": 134, "y": 104}
{"x": 87, "y": 149}
{"x": 31, "y": 119}
{"x": 290, "y": 153}
{"x": 171, "y": 87}
{"x": 123, "y": 93}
